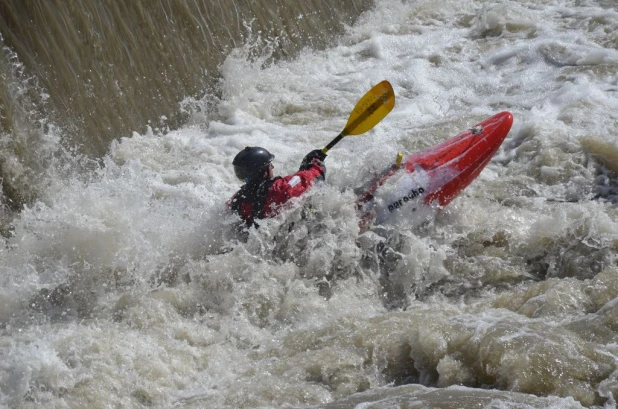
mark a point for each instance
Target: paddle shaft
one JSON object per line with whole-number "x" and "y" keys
{"x": 333, "y": 142}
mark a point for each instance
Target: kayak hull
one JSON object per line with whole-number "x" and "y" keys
{"x": 431, "y": 179}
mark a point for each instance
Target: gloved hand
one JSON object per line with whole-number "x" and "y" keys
{"x": 314, "y": 156}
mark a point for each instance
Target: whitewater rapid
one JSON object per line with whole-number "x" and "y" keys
{"x": 124, "y": 285}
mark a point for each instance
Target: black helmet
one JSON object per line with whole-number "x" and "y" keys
{"x": 251, "y": 162}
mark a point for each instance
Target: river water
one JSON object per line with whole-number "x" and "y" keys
{"x": 123, "y": 283}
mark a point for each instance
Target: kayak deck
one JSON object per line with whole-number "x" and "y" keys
{"x": 434, "y": 177}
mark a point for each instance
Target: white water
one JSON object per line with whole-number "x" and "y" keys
{"x": 115, "y": 291}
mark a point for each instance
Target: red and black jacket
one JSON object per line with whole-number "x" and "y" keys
{"x": 263, "y": 198}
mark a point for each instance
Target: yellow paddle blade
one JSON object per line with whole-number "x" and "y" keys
{"x": 371, "y": 109}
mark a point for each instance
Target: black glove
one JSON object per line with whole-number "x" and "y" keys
{"x": 314, "y": 156}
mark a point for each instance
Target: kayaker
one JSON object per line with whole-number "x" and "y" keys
{"x": 262, "y": 195}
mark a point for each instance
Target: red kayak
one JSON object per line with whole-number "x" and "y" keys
{"x": 429, "y": 180}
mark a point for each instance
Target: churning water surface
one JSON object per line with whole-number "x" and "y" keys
{"x": 123, "y": 284}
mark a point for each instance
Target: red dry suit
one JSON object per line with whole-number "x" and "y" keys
{"x": 261, "y": 199}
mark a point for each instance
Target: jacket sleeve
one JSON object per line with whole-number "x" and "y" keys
{"x": 285, "y": 188}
